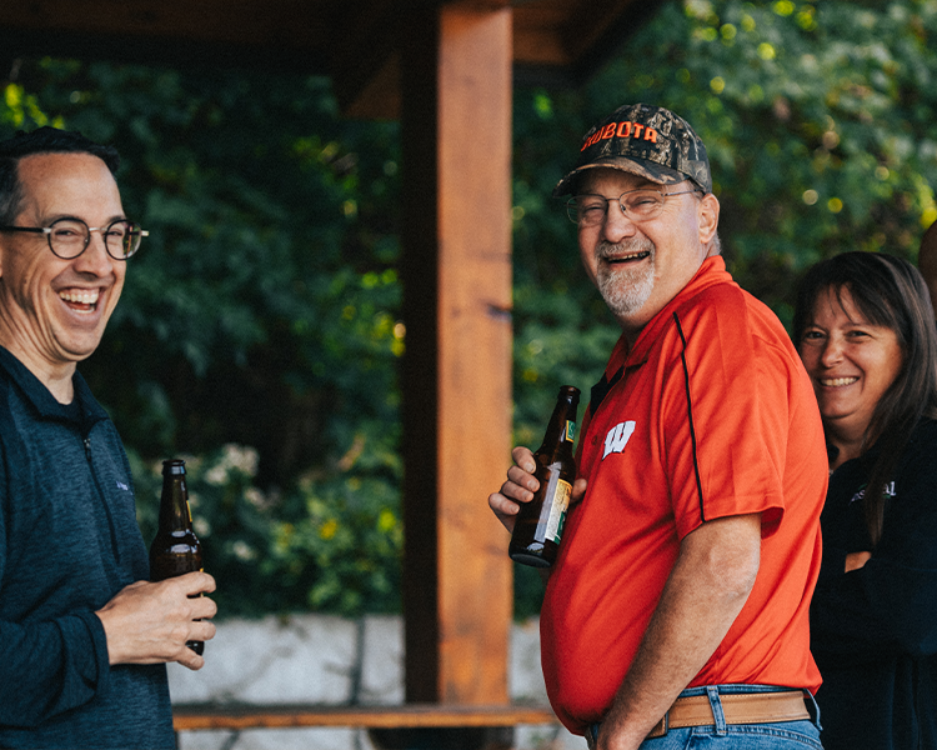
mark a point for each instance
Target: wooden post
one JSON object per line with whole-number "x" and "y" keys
{"x": 456, "y": 125}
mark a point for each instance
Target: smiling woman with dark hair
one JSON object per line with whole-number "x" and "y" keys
{"x": 864, "y": 328}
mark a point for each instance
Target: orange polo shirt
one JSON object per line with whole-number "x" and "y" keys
{"x": 713, "y": 416}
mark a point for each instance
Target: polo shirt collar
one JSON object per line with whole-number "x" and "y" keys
{"x": 44, "y": 402}
{"x": 711, "y": 272}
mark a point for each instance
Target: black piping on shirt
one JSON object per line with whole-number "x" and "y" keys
{"x": 689, "y": 410}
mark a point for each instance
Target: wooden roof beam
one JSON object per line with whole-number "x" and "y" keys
{"x": 279, "y": 34}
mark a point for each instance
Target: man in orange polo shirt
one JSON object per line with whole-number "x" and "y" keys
{"x": 677, "y": 611}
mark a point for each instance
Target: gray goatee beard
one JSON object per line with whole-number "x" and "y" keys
{"x": 624, "y": 289}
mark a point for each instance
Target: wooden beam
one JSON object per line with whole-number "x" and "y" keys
{"x": 562, "y": 42}
{"x": 556, "y": 42}
{"x": 420, "y": 387}
{"x": 365, "y": 64}
{"x": 247, "y": 716}
{"x": 456, "y": 128}
{"x": 291, "y": 23}
{"x": 475, "y": 406}
{"x": 290, "y": 35}
{"x": 560, "y": 32}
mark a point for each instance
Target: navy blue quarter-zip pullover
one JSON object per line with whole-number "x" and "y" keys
{"x": 69, "y": 542}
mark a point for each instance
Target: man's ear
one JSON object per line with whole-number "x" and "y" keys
{"x": 708, "y": 218}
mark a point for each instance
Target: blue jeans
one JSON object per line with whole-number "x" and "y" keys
{"x": 785, "y": 735}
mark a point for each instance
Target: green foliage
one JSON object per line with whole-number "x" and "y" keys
{"x": 330, "y": 544}
{"x": 262, "y": 310}
{"x": 263, "y": 307}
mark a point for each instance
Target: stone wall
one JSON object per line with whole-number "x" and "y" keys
{"x": 330, "y": 660}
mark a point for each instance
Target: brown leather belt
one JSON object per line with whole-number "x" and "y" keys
{"x": 738, "y": 708}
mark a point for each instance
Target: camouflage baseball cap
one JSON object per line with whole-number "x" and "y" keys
{"x": 648, "y": 141}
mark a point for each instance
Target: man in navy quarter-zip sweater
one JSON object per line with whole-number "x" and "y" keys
{"x": 84, "y": 637}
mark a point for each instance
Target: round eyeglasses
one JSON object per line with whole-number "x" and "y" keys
{"x": 69, "y": 238}
{"x": 640, "y": 205}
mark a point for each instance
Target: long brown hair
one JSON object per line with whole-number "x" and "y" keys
{"x": 890, "y": 292}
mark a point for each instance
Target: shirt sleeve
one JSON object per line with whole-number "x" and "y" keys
{"x": 46, "y": 666}
{"x": 728, "y": 415}
{"x": 889, "y": 606}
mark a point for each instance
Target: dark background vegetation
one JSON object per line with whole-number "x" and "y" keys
{"x": 260, "y": 336}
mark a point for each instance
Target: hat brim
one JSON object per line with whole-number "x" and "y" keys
{"x": 640, "y": 167}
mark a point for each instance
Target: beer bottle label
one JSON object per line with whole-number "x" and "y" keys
{"x": 570, "y": 434}
{"x": 561, "y": 493}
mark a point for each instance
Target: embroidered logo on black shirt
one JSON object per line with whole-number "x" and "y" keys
{"x": 889, "y": 493}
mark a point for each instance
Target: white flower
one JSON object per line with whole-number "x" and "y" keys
{"x": 243, "y": 551}
{"x": 241, "y": 457}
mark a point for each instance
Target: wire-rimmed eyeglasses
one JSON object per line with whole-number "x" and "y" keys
{"x": 69, "y": 238}
{"x": 589, "y": 210}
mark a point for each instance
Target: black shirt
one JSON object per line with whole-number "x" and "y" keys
{"x": 874, "y": 630}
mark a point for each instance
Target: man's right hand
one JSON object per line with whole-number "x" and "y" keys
{"x": 149, "y": 623}
{"x": 520, "y": 487}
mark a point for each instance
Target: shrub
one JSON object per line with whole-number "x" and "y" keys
{"x": 330, "y": 543}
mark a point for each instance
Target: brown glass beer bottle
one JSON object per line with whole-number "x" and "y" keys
{"x": 175, "y": 549}
{"x": 539, "y": 524}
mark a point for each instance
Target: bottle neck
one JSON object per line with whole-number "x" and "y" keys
{"x": 562, "y": 426}
{"x": 174, "y": 505}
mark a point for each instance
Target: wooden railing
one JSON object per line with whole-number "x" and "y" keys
{"x": 191, "y": 717}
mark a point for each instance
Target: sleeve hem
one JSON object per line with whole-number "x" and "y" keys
{"x": 97, "y": 665}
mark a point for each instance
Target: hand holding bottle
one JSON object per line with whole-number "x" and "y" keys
{"x": 149, "y": 623}
{"x": 539, "y": 523}
{"x": 520, "y": 487}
